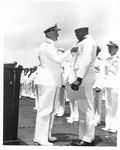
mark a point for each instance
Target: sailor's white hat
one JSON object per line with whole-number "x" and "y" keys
{"x": 80, "y": 26}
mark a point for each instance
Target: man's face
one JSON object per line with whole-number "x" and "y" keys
{"x": 53, "y": 35}
{"x": 79, "y": 34}
{"x": 112, "y": 50}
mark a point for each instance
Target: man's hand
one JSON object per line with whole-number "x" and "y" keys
{"x": 75, "y": 85}
{"x": 74, "y": 49}
{"x": 97, "y": 89}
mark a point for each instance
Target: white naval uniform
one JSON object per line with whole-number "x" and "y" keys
{"x": 22, "y": 84}
{"x": 73, "y": 102}
{"x": 85, "y": 66}
{"x": 62, "y": 90}
{"x": 99, "y": 71}
{"x": 37, "y": 87}
{"x": 50, "y": 79}
{"x": 61, "y": 96}
{"x": 111, "y": 88}
{"x": 26, "y": 78}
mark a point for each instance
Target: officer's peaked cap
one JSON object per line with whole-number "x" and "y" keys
{"x": 51, "y": 27}
{"x": 112, "y": 43}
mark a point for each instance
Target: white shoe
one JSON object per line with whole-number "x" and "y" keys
{"x": 105, "y": 129}
{"x": 97, "y": 123}
{"x": 68, "y": 117}
{"x": 70, "y": 120}
{"x": 35, "y": 108}
{"x": 60, "y": 114}
{"x": 43, "y": 143}
{"x": 112, "y": 130}
{"x": 32, "y": 96}
{"x": 75, "y": 119}
{"x": 52, "y": 139}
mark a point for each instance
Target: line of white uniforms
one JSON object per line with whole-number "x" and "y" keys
{"x": 111, "y": 90}
{"x": 27, "y": 84}
{"x": 84, "y": 68}
{"x": 70, "y": 78}
{"x": 99, "y": 71}
{"x": 50, "y": 79}
{"x": 37, "y": 86}
{"x": 67, "y": 75}
{"x": 61, "y": 94}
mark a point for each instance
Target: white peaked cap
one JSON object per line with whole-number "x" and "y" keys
{"x": 112, "y": 43}
{"x": 51, "y": 27}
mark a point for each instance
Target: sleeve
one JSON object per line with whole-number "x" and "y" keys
{"x": 67, "y": 70}
{"x": 39, "y": 58}
{"x": 51, "y": 52}
{"x": 100, "y": 79}
{"x": 86, "y": 59}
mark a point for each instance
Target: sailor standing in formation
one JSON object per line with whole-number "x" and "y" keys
{"x": 98, "y": 86}
{"x": 111, "y": 88}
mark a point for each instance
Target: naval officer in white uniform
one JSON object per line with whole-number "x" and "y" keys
{"x": 98, "y": 86}
{"x": 50, "y": 79}
{"x": 85, "y": 77}
{"x": 111, "y": 88}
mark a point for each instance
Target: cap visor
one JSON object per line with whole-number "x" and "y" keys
{"x": 57, "y": 29}
{"x": 110, "y": 45}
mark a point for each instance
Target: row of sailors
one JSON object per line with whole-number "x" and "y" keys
{"x": 30, "y": 87}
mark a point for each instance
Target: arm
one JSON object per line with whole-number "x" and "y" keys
{"x": 86, "y": 60}
{"x": 98, "y": 85}
{"x": 51, "y": 53}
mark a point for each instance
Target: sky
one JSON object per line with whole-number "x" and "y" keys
{"x": 25, "y": 20}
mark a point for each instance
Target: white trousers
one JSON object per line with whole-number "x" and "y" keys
{"x": 97, "y": 105}
{"x": 61, "y": 98}
{"x": 45, "y": 113}
{"x": 86, "y": 113}
{"x": 38, "y": 88}
{"x": 111, "y": 105}
{"x": 73, "y": 108}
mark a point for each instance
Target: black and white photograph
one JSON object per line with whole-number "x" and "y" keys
{"x": 59, "y": 63}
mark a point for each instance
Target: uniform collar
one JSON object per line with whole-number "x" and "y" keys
{"x": 111, "y": 57}
{"x": 86, "y": 36}
{"x": 50, "y": 41}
